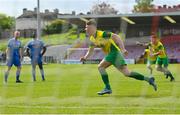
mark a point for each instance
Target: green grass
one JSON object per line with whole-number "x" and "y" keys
{"x": 72, "y": 89}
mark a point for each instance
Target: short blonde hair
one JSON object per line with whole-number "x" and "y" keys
{"x": 91, "y": 22}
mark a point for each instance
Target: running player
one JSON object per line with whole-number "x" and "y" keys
{"x": 114, "y": 49}
{"x": 150, "y": 58}
{"x": 162, "y": 58}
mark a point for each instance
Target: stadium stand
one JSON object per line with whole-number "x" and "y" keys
{"x": 171, "y": 44}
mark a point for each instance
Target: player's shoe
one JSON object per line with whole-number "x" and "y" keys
{"x": 167, "y": 76}
{"x": 152, "y": 82}
{"x": 43, "y": 79}
{"x": 5, "y": 80}
{"x": 19, "y": 81}
{"x": 172, "y": 79}
{"x": 105, "y": 91}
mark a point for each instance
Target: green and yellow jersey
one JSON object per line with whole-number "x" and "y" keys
{"x": 104, "y": 40}
{"x": 149, "y": 57}
{"x": 159, "y": 47}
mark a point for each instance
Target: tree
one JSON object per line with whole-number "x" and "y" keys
{"x": 6, "y": 22}
{"x": 103, "y": 8}
{"x": 57, "y": 26}
{"x": 143, "y": 6}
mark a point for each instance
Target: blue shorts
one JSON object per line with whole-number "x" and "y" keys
{"x": 35, "y": 61}
{"x": 15, "y": 62}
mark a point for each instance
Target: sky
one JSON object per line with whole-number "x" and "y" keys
{"x": 14, "y": 7}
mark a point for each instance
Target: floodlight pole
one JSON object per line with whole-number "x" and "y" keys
{"x": 38, "y": 20}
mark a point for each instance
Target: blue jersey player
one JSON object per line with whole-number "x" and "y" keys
{"x": 36, "y": 50}
{"x": 14, "y": 56}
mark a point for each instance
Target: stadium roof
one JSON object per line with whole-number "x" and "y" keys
{"x": 134, "y": 18}
{"x": 121, "y": 15}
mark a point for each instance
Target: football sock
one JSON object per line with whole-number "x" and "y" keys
{"x": 42, "y": 74}
{"x": 138, "y": 76}
{"x": 6, "y": 76}
{"x": 17, "y": 75}
{"x": 34, "y": 73}
{"x": 105, "y": 78}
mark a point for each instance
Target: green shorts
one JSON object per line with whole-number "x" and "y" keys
{"x": 116, "y": 58}
{"x": 150, "y": 62}
{"x": 162, "y": 61}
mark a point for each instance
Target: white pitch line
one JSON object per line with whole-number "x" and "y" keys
{"x": 81, "y": 107}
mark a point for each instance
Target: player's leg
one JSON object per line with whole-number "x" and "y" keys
{"x": 34, "y": 71}
{"x": 149, "y": 67}
{"x": 105, "y": 63}
{"x": 102, "y": 70}
{"x": 121, "y": 65}
{"x": 124, "y": 69}
{"x": 164, "y": 69}
{"x": 9, "y": 65}
{"x": 41, "y": 70}
{"x": 160, "y": 68}
{"x": 119, "y": 62}
{"x": 167, "y": 71}
{"x": 169, "y": 74}
{"x": 17, "y": 63}
{"x": 18, "y": 72}
{"x": 7, "y": 74}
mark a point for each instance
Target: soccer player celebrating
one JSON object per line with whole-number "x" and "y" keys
{"x": 162, "y": 58}
{"x": 14, "y": 56}
{"x": 114, "y": 49}
{"x": 35, "y": 50}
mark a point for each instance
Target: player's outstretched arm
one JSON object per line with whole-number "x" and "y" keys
{"x": 88, "y": 54}
{"x": 142, "y": 44}
{"x": 120, "y": 43}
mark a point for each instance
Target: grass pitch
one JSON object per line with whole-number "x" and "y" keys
{"x": 72, "y": 89}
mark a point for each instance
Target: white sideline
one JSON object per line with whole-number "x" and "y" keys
{"x": 82, "y": 107}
